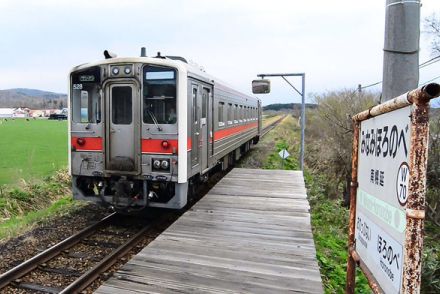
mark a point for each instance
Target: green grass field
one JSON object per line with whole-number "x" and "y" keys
{"x": 31, "y": 150}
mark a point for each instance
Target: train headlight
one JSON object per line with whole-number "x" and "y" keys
{"x": 127, "y": 70}
{"x": 115, "y": 70}
{"x": 156, "y": 164}
{"x": 165, "y": 164}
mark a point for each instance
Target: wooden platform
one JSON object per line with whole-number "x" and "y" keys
{"x": 250, "y": 234}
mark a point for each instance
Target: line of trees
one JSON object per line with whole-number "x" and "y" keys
{"x": 34, "y": 103}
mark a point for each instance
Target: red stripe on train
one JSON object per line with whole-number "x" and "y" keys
{"x": 221, "y": 134}
{"x": 155, "y": 146}
{"x": 86, "y": 143}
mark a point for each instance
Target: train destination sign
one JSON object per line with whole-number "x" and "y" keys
{"x": 86, "y": 78}
{"x": 383, "y": 173}
{"x": 387, "y": 194}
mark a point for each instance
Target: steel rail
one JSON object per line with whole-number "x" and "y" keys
{"x": 32, "y": 263}
{"x": 268, "y": 128}
{"x": 92, "y": 274}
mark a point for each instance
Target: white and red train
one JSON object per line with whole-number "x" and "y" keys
{"x": 144, "y": 130}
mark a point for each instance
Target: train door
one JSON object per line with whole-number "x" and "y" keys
{"x": 122, "y": 138}
{"x": 205, "y": 126}
{"x": 195, "y": 125}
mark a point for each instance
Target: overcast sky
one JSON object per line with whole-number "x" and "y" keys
{"x": 338, "y": 44}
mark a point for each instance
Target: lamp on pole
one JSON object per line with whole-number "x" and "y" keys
{"x": 303, "y": 104}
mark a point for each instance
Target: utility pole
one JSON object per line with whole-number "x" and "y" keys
{"x": 401, "y": 47}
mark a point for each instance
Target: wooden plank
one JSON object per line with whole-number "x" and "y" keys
{"x": 282, "y": 276}
{"x": 248, "y": 216}
{"x": 237, "y": 243}
{"x": 216, "y": 280}
{"x": 241, "y": 224}
{"x": 176, "y": 282}
{"x": 250, "y": 234}
{"x": 257, "y": 193}
{"x": 271, "y": 257}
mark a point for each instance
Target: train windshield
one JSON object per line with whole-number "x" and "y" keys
{"x": 159, "y": 95}
{"x": 86, "y": 97}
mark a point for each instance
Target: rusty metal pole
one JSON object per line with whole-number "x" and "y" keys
{"x": 351, "y": 263}
{"x": 415, "y": 209}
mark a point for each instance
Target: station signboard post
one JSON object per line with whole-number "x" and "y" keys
{"x": 387, "y": 194}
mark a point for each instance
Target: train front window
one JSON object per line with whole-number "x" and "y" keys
{"x": 86, "y": 97}
{"x": 159, "y": 95}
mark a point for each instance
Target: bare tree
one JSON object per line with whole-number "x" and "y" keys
{"x": 432, "y": 27}
{"x": 330, "y": 137}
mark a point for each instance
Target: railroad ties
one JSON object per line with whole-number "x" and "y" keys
{"x": 251, "y": 233}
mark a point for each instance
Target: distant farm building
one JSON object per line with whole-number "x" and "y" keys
{"x": 14, "y": 112}
{"x": 36, "y": 113}
{"x": 6, "y": 112}
{"x": 21, "y": 112}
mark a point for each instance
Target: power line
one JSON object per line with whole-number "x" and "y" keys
{"x": 429, "y": 81}
{"x": 422, "y": 65}
{"x": 435, "y": 59}
{"x": 371, "y": 85}
{"x": 432, "y": 62}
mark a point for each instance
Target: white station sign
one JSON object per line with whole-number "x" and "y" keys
{"x": 383, "y": 176}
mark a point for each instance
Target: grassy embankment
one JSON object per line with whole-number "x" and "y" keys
{"x": 31, "y": 152}
{"x": 329, "y": 219}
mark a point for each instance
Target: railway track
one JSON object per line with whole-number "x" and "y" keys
{"x": 74, "y": 263}
{"x": 268, "y": 128}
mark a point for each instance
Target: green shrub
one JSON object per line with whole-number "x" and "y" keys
{"x": 19, "y": 195}
{"x": 330, "y": 231}
{"x": 431, "y": 259}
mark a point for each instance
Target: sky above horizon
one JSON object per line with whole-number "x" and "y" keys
{"x": 338, "y": 44}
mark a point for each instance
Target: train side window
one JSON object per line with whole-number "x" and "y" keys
{"x": 236, "y": 113}
{"x": 194, "y": 103}
{"x": 205, "y": 98}
{"x": 240, "y": 114}
{"x": 221, "y": 118}
{"x": 230, "y": 116}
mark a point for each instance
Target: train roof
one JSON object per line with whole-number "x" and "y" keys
{"x": 173, "y": 61}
